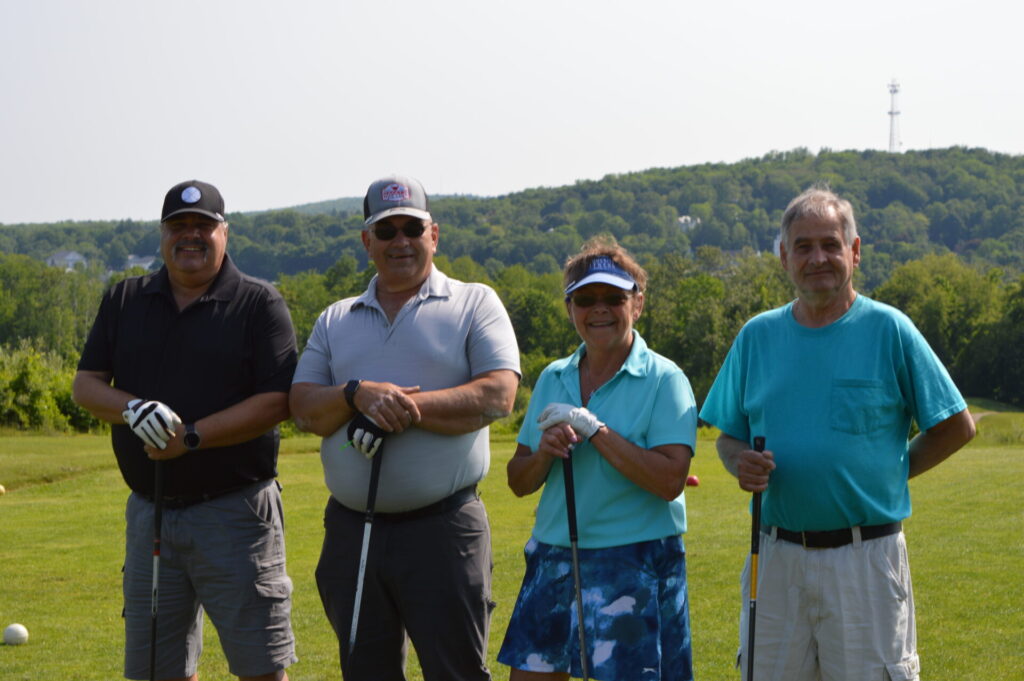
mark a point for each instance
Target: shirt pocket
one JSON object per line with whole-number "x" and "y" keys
{"x": 859, "y": 405}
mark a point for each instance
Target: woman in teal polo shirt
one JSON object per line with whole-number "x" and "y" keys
{"x": 628, "y": 418}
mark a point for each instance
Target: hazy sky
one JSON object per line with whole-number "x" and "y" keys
{"x": 108, "y": 103}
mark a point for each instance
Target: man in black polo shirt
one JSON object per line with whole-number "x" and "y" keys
{"x": 192, "y": 366}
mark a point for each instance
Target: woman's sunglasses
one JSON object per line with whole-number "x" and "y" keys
{"x": 610, "y": 300}
{"x": 385, "y": 231}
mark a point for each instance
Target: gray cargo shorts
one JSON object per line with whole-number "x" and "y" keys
{"x": 225, "y": 556}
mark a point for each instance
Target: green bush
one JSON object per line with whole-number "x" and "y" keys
{"x": 35, "y": 392}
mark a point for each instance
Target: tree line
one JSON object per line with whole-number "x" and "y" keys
{"x": 957, "y": 200}
{"x": 973, "y": 316}
{"x": 943, "y": 234}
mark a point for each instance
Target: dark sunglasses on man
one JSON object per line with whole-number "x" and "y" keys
{"x": 385, "y": 231}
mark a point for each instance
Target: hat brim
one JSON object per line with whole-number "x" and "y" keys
{"x": 398, "y": 210}
{"x": 210, "y": 214}
{"x": 603, "y": 278}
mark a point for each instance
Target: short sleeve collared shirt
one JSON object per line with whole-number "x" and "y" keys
{"x": 650, "y": 403}
{"x": 233, "y": 342}
{"x": 449, "y": 332}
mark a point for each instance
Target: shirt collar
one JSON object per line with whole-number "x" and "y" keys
{"x": 636, "y": 361}
{"x": 436, "y": 285}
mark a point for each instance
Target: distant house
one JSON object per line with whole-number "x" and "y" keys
{"x": 143, "y": 261}
{"x": 687, "y": 222}
{"x": 67, "y": 259}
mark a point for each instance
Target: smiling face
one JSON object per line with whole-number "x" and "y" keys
{"x": 819, "y": 261}
{"x": 603, "y": 323}
{"x": 193, "y": 247}
{"x": 402, "y": 261}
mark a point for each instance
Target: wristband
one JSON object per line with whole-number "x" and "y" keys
{"x": 350, "y": 393}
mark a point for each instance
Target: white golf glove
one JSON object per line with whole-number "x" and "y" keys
{"x": 580, "y": 419}
{"x": 154, "y": 422}
{"x": 366, "y": 435}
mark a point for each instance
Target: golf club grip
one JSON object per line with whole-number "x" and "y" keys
{"x": 371, "y": 496}
{"x": 158, "y": 497}
{"x": 755, "y": 525}
{"x": 570, "y": 496}
{"x": 570, "y": 508}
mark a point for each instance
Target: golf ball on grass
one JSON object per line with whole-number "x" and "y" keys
{"x": 15, "y": 634}
{"x": 3, "y": 490}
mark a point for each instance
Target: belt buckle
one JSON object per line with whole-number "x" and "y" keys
{"x": 803, "y": 538}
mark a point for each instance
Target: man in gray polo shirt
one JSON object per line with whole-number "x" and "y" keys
{"x": 416, "y": 368}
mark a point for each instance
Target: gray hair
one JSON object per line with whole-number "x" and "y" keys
{"x": 819, "y": 201}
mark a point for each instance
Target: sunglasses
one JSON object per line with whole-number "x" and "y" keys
{"x": 610, "y": 300}
{"x": 385, "y": 231}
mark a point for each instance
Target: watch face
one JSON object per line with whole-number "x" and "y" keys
{"x": 191, "y": 439}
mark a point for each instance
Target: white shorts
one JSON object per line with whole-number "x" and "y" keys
{"x": 840, "y": 614}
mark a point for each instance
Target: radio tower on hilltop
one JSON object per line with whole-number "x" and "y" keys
{"x": 894, "y": 122}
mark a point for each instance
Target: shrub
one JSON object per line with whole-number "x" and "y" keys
{"x": 35, "y": 391}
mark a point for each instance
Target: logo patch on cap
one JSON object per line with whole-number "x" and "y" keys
{"x": 191, "y": 195}
{"x": 603, "y": 263}
{"x": 395, "y": 192}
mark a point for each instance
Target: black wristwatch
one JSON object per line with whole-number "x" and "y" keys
{"x": 191, "y": 439}
{"x": 350, "y": 393}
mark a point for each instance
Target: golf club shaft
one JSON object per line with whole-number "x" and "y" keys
{"x": 371, "y": 502}
{"x": 158, "y": 510}
{"x": 570, "y": 507}
{"x": 755, "y": 547}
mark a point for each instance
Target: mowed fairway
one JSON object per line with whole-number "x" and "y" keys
{"x": 61, "y": 549}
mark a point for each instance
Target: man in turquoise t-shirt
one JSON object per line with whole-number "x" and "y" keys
{"x": 832, "y": 381}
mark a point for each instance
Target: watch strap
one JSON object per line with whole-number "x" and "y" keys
{"x": 350, "y": 393}
{"x": 191, "y": 438}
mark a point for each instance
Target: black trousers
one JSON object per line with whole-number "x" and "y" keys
{"x": 429, "y": 577}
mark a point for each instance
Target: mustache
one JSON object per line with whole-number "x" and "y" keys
{"x": 190, "y": 242}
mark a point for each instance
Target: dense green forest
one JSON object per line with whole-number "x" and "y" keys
{"x": 943, "y": 235}
{"x": 966, "y": 201}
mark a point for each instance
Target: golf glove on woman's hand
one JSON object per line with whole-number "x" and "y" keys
{"x": 580, "y": 419}
{"x": 154, "y": 422}
{"x": 366, "y": 435}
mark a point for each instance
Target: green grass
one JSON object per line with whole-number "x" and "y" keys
{"x": 981, "y": 404}
{"x": 61, "y": 548}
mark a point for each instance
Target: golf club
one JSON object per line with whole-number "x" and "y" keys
{"x": 755, "y": 547}
{"x": 371, "y": 500}
{"x": 158, "y": 510}
{"x": 570, "y": 507}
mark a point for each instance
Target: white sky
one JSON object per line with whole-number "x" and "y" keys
{"x": 108, "y": 103}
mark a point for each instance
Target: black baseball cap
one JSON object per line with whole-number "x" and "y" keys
{"x": 193, "y": 196}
